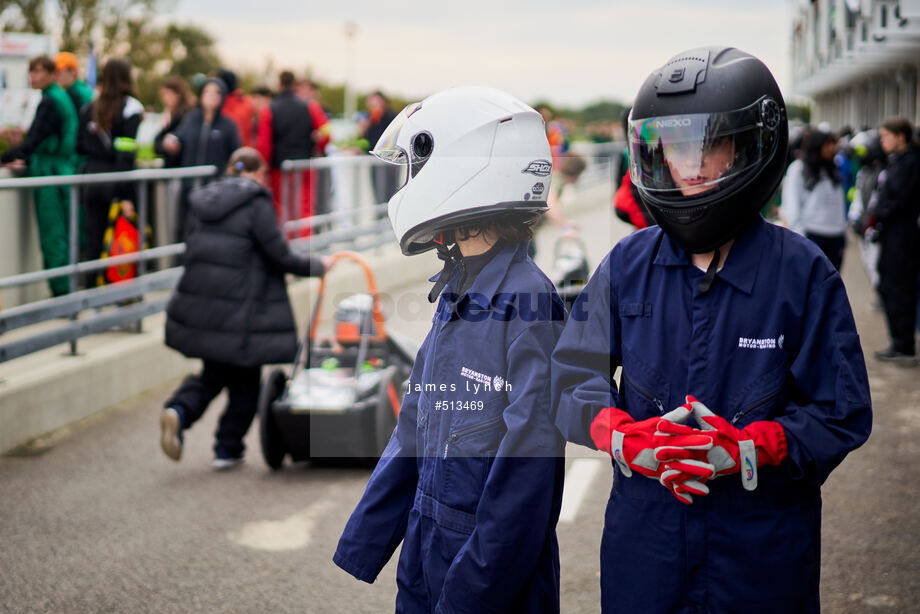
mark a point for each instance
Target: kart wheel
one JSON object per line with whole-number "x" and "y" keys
{"x": 273, "y": 450}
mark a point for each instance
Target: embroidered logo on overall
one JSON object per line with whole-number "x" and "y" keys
{"x": 759, "y": 344}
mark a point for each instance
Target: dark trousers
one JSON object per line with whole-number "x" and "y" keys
{"x": 97, "y": 200}
{"x": 831, "y": 246}
{"x": 197, "y": 392}
{"x": 898, "y": 266}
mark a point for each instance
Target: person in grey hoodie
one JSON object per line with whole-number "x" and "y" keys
{"x": 814, "y": 204}
{"x": 231, "y": 307}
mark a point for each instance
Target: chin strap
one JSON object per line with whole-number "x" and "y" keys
{"x": 710, "y": 277}
{"x": 452, "y": 258}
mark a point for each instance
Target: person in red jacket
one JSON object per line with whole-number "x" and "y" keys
{"x": 628, "y": 207}
{"x": 237, "y": 106}
{"x": 626, "y": 202}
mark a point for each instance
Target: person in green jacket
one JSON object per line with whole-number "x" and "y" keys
{"x": 49, "y": 147}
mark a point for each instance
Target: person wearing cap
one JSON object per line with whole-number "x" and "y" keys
{"x": 742, "y": 323}
{"x": 68, "y": 68}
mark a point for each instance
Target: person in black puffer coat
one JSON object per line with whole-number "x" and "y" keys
{"x": 231, "y": 307}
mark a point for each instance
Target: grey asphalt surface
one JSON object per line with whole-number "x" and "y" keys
{"x": 100, "y": 521}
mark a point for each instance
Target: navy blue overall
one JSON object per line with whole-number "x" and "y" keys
{"x": 774, "y": 339}
{"x": 471, "y": 480}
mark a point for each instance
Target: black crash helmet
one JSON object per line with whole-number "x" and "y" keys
{"x": 707, "y": 144}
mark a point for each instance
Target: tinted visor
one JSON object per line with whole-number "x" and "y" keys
{"x": 690, "y": 154}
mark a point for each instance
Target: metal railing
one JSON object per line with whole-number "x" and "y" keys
{"x": 349, "y": 227}
{"x": 335, "y": 183}
{"x": 73, "y": 182}
{"x": 70, "y": 305}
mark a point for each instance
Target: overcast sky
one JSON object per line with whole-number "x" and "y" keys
{"x": 570, "y": 53}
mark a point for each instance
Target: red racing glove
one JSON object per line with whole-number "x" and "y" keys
{"x": 733, "y": 449}
{"x": 641, "y": 447}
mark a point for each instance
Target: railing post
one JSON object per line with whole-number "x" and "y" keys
{"x": 354, "y": 205}
{"x": 284, "y": 177}
{"x": 141, "y": 267}
{"x": 141, "y": 223}
{"x": 298, "y": 199}
{"x": 173, "y": 197}
{"x": 73, "y": 242}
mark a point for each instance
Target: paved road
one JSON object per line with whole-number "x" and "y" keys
{"x": 100, "y": 521}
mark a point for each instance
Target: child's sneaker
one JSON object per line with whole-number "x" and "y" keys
{"x": 171, "y": 433}
{"x": 222, "y": 463}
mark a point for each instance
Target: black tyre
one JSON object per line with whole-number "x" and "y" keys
{"x": 273, "y": 449}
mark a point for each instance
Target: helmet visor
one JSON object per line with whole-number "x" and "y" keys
{"x": 691, "y": 154}
{"x": 386, "y": 148}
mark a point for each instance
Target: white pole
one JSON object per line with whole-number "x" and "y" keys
{"x": 350, "y": 31}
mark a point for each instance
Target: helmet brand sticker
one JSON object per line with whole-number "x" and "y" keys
{"x": 673, "y": 122}
{"x": 540, "y": 168}
{"x": 538, "y": 188}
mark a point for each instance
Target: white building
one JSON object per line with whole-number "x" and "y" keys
{"x": 17, "y": 101}
{"x": 858, "y": 60}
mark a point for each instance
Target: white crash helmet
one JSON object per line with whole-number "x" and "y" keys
{"x": 471, "y": 152}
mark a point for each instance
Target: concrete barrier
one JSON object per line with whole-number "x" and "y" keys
{"x": 46, "y": 391}
{"x": 19, "y": 249}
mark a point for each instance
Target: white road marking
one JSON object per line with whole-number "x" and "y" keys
{"x": 577, "y": 481}
{"x": 277, "y": 535}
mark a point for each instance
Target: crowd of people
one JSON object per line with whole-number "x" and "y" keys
{"x": 869, "y": 183}
{"x": 78, "y": 130}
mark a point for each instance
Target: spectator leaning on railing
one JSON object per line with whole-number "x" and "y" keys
{"x": 49, "y": 149}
